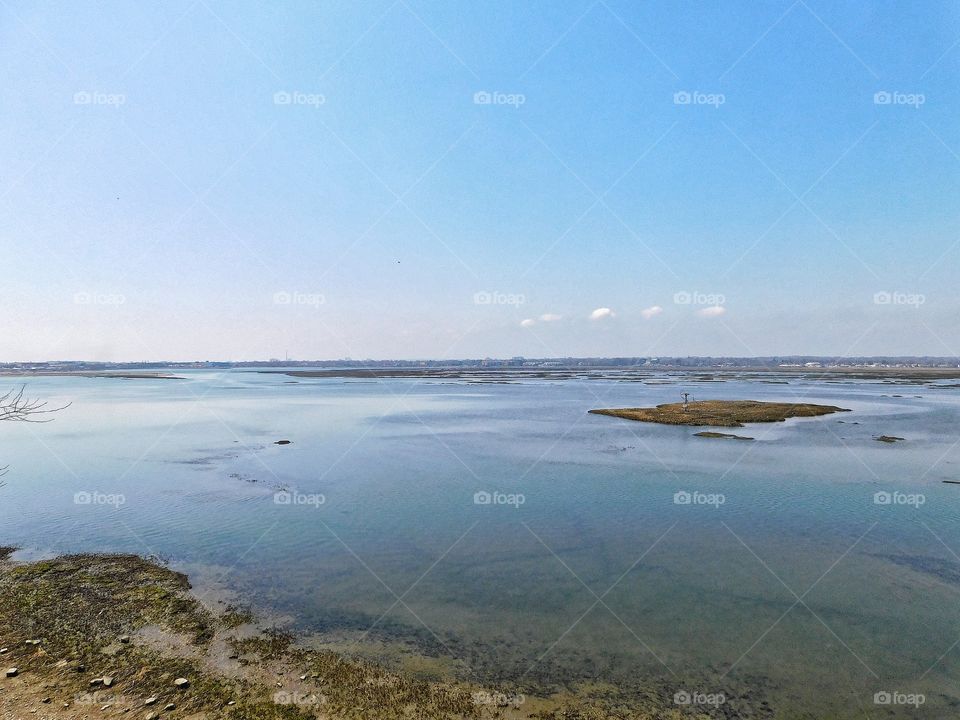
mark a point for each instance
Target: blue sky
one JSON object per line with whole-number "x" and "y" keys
{"x": 220, "y": 180}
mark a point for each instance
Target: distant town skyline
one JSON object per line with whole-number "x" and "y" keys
{"x": 413, "y": 179}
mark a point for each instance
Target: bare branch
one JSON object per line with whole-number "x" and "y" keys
{"x": 14, "y": 407}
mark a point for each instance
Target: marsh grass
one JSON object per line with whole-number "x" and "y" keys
{"x": 720, "y": 413}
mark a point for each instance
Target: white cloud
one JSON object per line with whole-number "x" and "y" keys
{"x": 651, "y": 311}
{"x": 712, "y": 311}
{"x": 601, "y": 314}
{"x": 551, "y": 317}
{"x": 529, "y": 322}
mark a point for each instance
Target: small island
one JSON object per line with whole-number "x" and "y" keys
{"x": 720, "y": 435}
{"x": 720, "y": 413}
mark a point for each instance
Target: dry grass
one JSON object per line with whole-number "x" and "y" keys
{"x": 721, "y": 413}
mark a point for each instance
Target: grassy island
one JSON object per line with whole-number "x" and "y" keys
{"x": 720, "y": 413}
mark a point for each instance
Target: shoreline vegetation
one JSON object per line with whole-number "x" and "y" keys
{"x": 120, "y": 635}
{"x": 720, "y": 413}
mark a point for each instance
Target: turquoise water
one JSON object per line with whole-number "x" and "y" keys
{"x": 797, "y": 596}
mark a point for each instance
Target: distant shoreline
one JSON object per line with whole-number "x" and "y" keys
{"x": 146, "y": 375}
{"x": 638, "y": 372}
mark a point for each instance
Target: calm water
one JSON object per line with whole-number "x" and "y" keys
{"x": 798, "y": 595}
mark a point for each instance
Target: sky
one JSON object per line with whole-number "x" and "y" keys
{"x": 207, "y": 180}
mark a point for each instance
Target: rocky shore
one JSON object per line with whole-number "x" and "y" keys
{"x": 111, "y": 636}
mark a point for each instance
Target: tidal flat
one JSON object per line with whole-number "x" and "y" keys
{"x": 375, "y": 499}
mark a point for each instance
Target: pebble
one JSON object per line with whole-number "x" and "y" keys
{"x": 46, "y": 701}
{"x": 107, "y": 681}
{"x": 96, "y": 681}
{"x": 124, "y": 639}
{"x": 168, "y": 707}
{"x": 12, "y": 672}
{"x": 150, "y": 701}
{"x": 3, "y": 650}
{"x": 232, "y": 702}
{"x": 104, "y": 707}
{"x": 181, "y": 683}
{"x": 31, "y": 642}
{"x": 151, "y": 716}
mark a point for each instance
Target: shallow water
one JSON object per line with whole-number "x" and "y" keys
{"x": 800, "y": 595}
